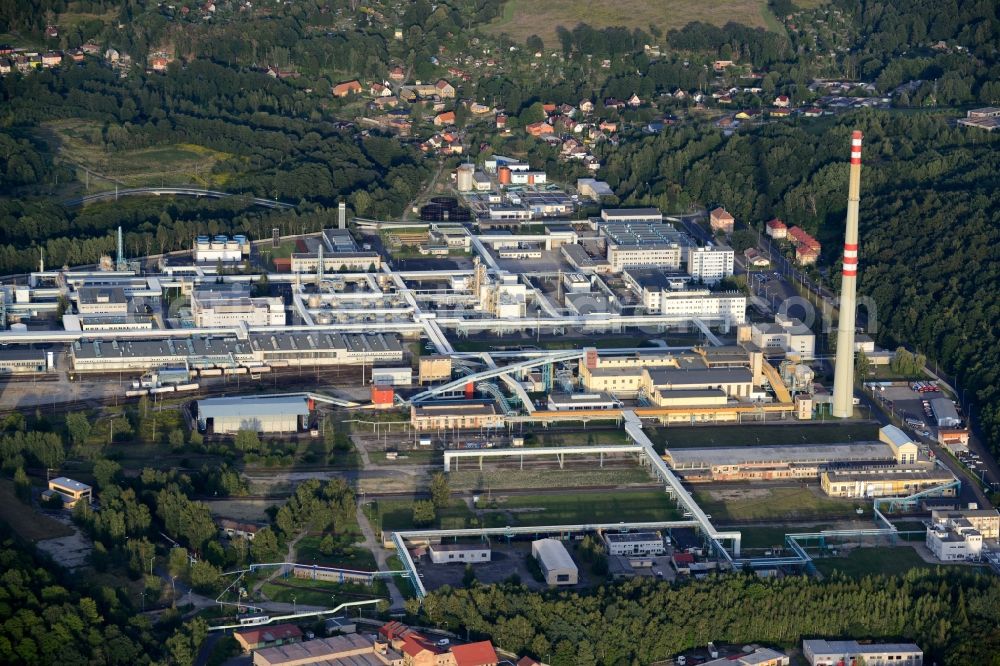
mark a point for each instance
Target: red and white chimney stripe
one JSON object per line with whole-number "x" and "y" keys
{"x": 856, "y": 148}
{"x": 850, "y": 259}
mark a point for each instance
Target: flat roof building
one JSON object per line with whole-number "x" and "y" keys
{"x": 886, "y": 482}
{"x": 456, "y": 414}
{"x": 212, "y": 309}
{"x": 352, "y": 649}
{"x": 820, "y": 652}
{"x": 945, "y": 413}
{"x": 555, "y": 561}
{"x": 787, "y": 334}
{"x": 570, "y": 401}
{"x": 951, "y": 536}
{"x": 267, "y": 636}
{"x": 635, "y": 543}
{"x": 278, "y": 414}
{"x": 102, "y": 300}
{"x": 274, "y": 349}
{"x": 70, "y": 491}
{"x": 632, "y": 215}
{"x": 710, "y": 264}
{"x": 446, "y": 553}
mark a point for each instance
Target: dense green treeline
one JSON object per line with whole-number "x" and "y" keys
{"x": 953, "y": 617}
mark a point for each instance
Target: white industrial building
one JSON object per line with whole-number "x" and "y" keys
{"x": 277, "y": 414}
{"x": 556, "y": 564}
{"x": 559, "y": 402}
{"x": 211, "y": 250}
{"x": 710, "y": 264}
{"x": 670, "y": 295}
{"x": 958, "y": 535}
{"x": 635, "y": 543}
{"x": 211, "y": 309}
{"x": 632, "y": 215}
{"x": 444, "y": 553}
{"x": 392, "y": 376}
{"x": 787, "y": 334}
{"x": 820, "y": 652}
{"x": 593, "y": 189}
{"x": 945, "y": 413}
{"x": 102, "y": 300}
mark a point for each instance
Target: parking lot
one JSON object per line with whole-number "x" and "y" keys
{"x": 912, "y": 406}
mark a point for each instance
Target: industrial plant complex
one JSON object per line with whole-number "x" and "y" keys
{"x": 504, "y": 334}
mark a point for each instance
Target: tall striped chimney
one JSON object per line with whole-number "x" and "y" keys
{"x": 843, "y": 379}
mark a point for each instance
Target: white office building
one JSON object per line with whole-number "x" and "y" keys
{"x": 217, "y": 309}
{"x": 710, "y": 264}
{"x": 635, "y": 543}
{"x": 445, "y": 553}
{"x": 953, "y": 536}
{"x": 786, "y": 334}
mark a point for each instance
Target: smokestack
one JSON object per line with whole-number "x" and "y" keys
{"x": 843, "y": 379}
{"x": 342, "y": 212}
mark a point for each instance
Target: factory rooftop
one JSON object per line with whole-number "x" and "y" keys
{"x": 209, "y": 346}
{"x": 698, "y": 376}
{"x": 645, "y": 234}
{"x": 253, "y": 406}
{"x": 745, "y": 455}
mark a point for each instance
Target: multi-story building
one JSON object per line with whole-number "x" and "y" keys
{"x": 776, "y": 229}
{"x": 787, "y": 334}
{"x": 217, "y": 309}
{"x": 820, "y": 652}
{"x": 671, "y": 295}
{"x": 984, "y": 521}
{"x": 632, "y": 215}
{"x": 710, "y": 264}
{"x": 720, "y": 220}
{"x": 103, "y": 300}
{"x": 455, "y": 414}
{"x": 898, "y": 481}
{"x": 951, "y": 536}
{"x": 635, "y": 543}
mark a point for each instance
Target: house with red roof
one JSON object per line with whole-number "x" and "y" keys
{"x": 444, "y": 118}
{"x": 347, "y": 88}
{"x": 539, "y": 129}
{"x": 776, "y": 229}
{"x": 475, "y": 654}
{"x": 720, "y": 220}
{"x": 267, "y": 636}
{"x": 528, "y": 661}
{"x": 782, "y": 101}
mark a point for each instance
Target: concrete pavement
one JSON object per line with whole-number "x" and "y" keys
{"x": 381, "y": 557}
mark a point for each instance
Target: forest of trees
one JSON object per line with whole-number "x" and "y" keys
{"x": 952, "y": 616}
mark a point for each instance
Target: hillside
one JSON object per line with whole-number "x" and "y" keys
{"x": 522, "y": 18}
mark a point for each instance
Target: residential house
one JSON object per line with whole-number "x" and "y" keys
{"x": 779, "y": 112}
{"x": 725, "y": 99}
{"x": 679, "y": 94}
{"x": 347, "y": 88}
{"x": 586, "y": 106}
{"x": 5, "y": 66}
{"x": 721, "y": 65}
{"x": 480, "y": 653}
{"x": 159, "y": 64}
{"x": 549, "y": 108}
{"x": 445, "y": 89}
{"x": 776, "y": 229}
{"x": 92, "y": 49}
{"x": 478, "y": 109}
{"x": 444, "y": 119}
{"x": 782, "y": 101}
{"x": 812, "y": 112}
{"x": 76, "y": 54}
{"x": 501, "y": 121}
{"x": 51, "y": 32}
{"x": 233, "y": 529}
{"x": 613, "y": 103}
{"x": 51, "y": 59}
{"x": 279, "y": 73}
{"x": 634, "y": 101}
{"x": 720, "y": 220}
{"x": 390, "y": 102}
{"x": 397, "y": 74}
{"x": 539, "y": 129}
{"x": 380, "y": 90}
{"x": 608, "y": 126}
{"x": 748, "y": 114}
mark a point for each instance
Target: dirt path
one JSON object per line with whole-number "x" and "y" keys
{"x": 289, "y": 557}
{"x": 381, "y": 556}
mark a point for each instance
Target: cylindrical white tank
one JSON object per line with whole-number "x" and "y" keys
{"x": 464, "y": 177}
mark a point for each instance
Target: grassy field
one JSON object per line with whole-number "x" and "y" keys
{"x": 767, "y": 537}
{"x": 589, "y": 438}
{"x": 522, "y": 18}
{"x": 398, "y": 514}
{"x": 26, "y": 522}
{"x": 498, "y": 480}
{"x": 754, "y": 435}
{"x": 79, "y": 142}
{"x": 317, "y": 593}
{"x": 862, "y": 562}
{"x": 725, "y": 503}
{"x": 307, "y": 551}
{"x": 604, "y": 507}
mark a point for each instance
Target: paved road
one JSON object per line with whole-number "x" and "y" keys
{"x": 112, "y": 195}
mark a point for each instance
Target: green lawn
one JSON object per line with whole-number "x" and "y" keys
{"x": 470, "y": 478}
{"x": 586, "y": 438}
{"x": 604, "y": 507}
{"x": 862, "y": 562}
{"x": 740, "y": 502}
{"x": 398, "y": 515}
{"x": 307, "y": 551}
{"x": 767, "y": 537}
{"x": 318, "y": 593}
{"x": 754, "y": 435}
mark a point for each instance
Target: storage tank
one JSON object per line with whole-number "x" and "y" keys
{"x": 504, "y": 175}
{"x": 464, "y": 177}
